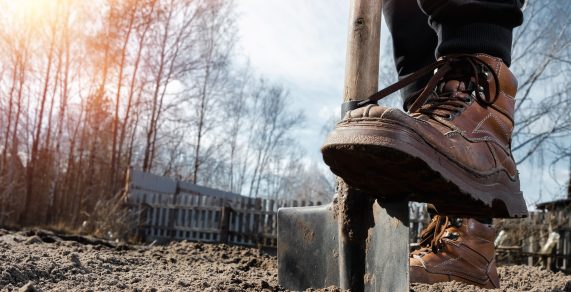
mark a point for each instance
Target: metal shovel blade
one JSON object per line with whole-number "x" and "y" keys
{"x": 308, "y": 248}
{"x": 309, "y": 244}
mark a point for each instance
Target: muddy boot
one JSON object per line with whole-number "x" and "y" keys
{"x": 459, "y": 249}
{"x": 452, "y": 149}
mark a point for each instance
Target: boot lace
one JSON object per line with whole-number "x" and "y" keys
{"x": 431, "y": 238}
{"x": 433, "y": 100}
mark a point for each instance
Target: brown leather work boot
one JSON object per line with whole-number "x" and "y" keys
{"x": 460, "y": 249}
{"x": 452, "y": 149}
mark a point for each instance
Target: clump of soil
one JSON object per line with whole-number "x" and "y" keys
{"x": 39, "y": 260}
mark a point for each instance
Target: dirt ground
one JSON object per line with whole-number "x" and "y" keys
{"x": 512, "y": 278}
{"x": 42, "y": 261}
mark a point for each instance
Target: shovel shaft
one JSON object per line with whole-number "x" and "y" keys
{"x": 363, "y": 43}
{"x": 356, "y": 242}
{"x": 361, "y": 81}
{"x": 373, "y": 254}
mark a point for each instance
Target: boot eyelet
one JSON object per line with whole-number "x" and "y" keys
{"x": 484, "y": 70}
{"x": 449, "y": 117}
{"x": 468, "y": 100}
{"x": 480, "y": 88}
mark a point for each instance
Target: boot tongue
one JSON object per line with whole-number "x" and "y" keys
{"x": 456, "y": 79}
{"x": 452, "y": 85}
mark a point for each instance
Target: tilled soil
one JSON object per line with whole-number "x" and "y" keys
{"x": 512, "y": 278}
{"x": 40, "y": 260}
{"x": 53, "y": 263}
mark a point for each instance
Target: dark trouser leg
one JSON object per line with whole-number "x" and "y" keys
{"x": 414, "y": 41}
{"x": 474, "y": 26}
{"x": 458, "y": 26}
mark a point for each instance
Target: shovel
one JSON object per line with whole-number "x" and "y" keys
{"x": 356, "y": 242}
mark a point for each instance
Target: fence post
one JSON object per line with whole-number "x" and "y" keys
{"x": 173, "y": 212}
{"x": 143, "y": 221}
{"x": 224, "y": 222}
{"x": 257, "y": 218}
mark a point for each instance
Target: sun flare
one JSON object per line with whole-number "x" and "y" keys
{"x": 26, "y": 5}
{"x": 32, "y": 10}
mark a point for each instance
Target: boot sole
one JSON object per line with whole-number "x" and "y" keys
{"x": 394, "y": 163}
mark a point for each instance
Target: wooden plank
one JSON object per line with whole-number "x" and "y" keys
{"x": 250, "y": 225}
{"x": 204, "y": 230}
{"x": 206, "y": 225}
{"x": 239, "y": 222}
{"x": 185, "y": 219}
{"x": 201, "y": 218}
{"x": 193, "y": 217}
{"x": 217, "y": 219}
{"x": 156, "y": 214}
{"x": 244, "y": 221}
{"x": 232, "y": 228}
{"x": 224, "y": 224}
{"x": 183, "y": 207}
{"x": 210, "y": 216}
{"x": 172, "y": 213}
{"x": 271, "y": 222}
{"x": 257, "y": 221}
{"x": 246, "y": 224}
{"x": 274, "y": 220}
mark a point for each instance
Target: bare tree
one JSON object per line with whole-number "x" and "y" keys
{"x": 274, "y": 122}
{"x": 89, "y": 89}
{"x": 542, "y": 63}
{"x": 219, "y": 35}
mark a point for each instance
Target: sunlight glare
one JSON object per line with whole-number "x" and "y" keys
{"x": 31, "y": 10}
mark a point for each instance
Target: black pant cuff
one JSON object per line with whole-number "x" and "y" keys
{"x": 487, "y": 38}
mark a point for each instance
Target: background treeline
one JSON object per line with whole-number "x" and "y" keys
{"x": 90, "y": 88}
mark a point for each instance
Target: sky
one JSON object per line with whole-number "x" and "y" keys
{"x": 301, "y": 45}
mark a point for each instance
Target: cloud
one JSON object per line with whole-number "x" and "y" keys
{"x": 297, "y": 40}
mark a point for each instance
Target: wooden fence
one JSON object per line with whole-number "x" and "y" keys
{"x": 241, "y": 221}
{"x": 174, "y": 210}
{"x": 245, "y": 221}
{"x": 419, "y": 219}
{"x": 170, "y": 210}
{"x": 542, "y": 239}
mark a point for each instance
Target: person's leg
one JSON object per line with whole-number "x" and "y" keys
{"x": 414, "y": 41}
{"x": 458, "y": 26}
{"x": 474, "y": 26}
{"x": 471, "y": 27}
{"x": 460, "y": 124}
{"x": 475, "y": 35}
